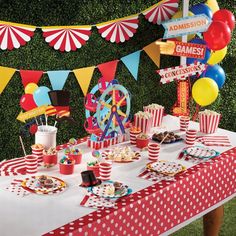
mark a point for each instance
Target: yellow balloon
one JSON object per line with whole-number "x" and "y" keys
{"x": 205, "y": 91}
{"x": 213, "y": 4}
{"x": 217, "y": 56}
{"x": 178, "y": 15}
{"x": 30, "y": 88}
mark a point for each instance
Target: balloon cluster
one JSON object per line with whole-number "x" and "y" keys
{"x": 205, "y": 90}
{"x": 34, "y": 96}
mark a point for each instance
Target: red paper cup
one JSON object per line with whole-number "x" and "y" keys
{"x": 142, "y": 143}
{"x": 50, "y": 159}
{"x": 95, "y": 170}
{"x": 76, "y": 158}
{"x": 31, "y": 164}
{"x": 66, "y": 169}
{"x": 184, "y": 122}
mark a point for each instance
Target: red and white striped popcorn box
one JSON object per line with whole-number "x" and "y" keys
{"x": 157, "y": 114}
{"x": 209, "y": 122}
{"x": 144, "y": 123}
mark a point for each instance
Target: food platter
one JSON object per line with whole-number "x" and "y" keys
{"x": 171, "y": 137}
{"x": 201, "y": 152}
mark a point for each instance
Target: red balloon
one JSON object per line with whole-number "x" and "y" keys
{"x": 27, "y": 102}
{"x": 225, "y": 16}
{"x": 217, "y": 36}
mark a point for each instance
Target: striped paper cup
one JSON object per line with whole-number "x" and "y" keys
{"x": 184, "y": 122}
{"x": 31, "y": 164}
{"x": 153, "y": 151}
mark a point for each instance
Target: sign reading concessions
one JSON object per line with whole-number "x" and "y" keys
{"x": 181, "y": 49}
{"x": 180, "y": 72}
{"x": 186, "y": 25}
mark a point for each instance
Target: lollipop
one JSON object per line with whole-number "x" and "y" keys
{"x": 72, "y": 141}
{"x": 96, "y": 153}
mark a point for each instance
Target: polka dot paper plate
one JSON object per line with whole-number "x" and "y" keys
{"x": 165, "y": 167}
{"x": 31, "y": 184}
{"x": 108, "y": 189}
{"x": 201, "y": 152}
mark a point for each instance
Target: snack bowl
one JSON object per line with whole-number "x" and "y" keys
{"x": 95, "y": 169}
{"x": 66, "y": 169}
{"x": 142, "y": 141}
{"x": 50, "y": 159}
{"x": 76, "y": 157}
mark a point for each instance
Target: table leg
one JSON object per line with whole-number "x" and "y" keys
{"x": 212, "y": 222}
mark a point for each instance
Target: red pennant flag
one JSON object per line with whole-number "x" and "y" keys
{"x": 108, "y": 70}
{"x": 30, "y": 76}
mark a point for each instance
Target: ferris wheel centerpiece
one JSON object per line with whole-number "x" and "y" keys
{"x": 107, "y": 110}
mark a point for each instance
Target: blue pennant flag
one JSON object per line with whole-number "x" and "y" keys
{"x": 58, "y": 78}
{"x": 131, "y": 61}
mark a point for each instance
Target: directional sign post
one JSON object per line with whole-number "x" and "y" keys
{"x": 186, "y": 25}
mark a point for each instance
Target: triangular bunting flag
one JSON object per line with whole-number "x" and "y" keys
{"x": 131, "y": 61}
{"x": 58, "y": 78}
{"x": 84, "y": 76}
{"x": 30, "y": 76}
{"x": 153, "y": 51}
{"x": 6, "y": 74}
{"x": 108, "y": 70}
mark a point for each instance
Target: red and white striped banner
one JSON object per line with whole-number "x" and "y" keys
{"x": 180, "y": 72}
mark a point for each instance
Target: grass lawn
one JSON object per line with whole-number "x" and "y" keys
{"x": 228, "y": 227}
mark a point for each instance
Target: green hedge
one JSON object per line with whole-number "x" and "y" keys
{"x": 38, "y": 55}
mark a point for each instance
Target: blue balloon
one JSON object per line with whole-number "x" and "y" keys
{"x": 216, "y": 73}
{"x": 201, "y": 8}
{"x": 41, "y": 96}
{"x": 207, "y": 54}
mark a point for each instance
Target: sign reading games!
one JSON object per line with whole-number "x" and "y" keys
{"x": 180, "y": 72}
{"x": 176, "y": 48}
{"x": 186, "y": 25}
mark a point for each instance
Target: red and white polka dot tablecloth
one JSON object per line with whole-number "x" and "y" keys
{"x": 160, "y": 207}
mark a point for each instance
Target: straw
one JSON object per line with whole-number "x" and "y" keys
{"x": 22, "y": 145}
{"x": 164, "y": 139}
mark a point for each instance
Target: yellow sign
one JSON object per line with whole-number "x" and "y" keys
{"x": 32, "y": 113}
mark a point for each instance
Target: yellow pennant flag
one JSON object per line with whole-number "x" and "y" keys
{"x": 153, "y": 51}
{"x": 84, "y": 76}
{"x": 6, "y": 74}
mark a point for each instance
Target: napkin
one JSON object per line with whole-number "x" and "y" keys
{"x": 155, "y": 177}
{"x": 215, "y": 140}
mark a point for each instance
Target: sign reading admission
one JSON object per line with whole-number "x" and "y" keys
{"x": 186, "y": 25}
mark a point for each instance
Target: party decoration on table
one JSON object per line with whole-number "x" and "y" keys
{"x": 93, "y": 201}
{"x": 131, "y": 61}
{"x": 161, "y": 11}
{"x": 201, "y": 152}
{"x": 157, "y": 112}
{"x": 31, "y": 113}
{"x": 205, "y": 91}
{"x": 186, "y": 25}
{"x": 110, "y": 189}
{"x": 176, "y": 48}
{"x": 119, "y": 30}
{"x": 209, "y": 121}
{"x": 66, "y": 38}
{"x": 71, "y": 38}
{"x": 180, "y": 72}
{"x": 58, "y": 78}
{"x": 181, "y": 106}
{"x": 123, "y": 154}
{"x": 216, "y": 140}
{"x": 170, "y": 137}
{"x": 14, "y": 35}
{"x": 43, "y": 184}
{"x": 89, "y": 179}
{"x": 165, "y": 167}
{"x": 6, "y": 75}
{"x": 144, "y": 121}
{"x": 15, "y": 187}
{"x": 30, "y": 76}
{"x": 154, "y": 176}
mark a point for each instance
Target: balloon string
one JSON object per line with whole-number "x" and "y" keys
{"x": 196, "y": 112}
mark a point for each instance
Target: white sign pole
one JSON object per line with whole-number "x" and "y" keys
{"x": 184, "y": 38}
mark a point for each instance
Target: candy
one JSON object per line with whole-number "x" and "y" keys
{"x": 73, "y": 141}
{"x": 154, "y": 106}
{"x": 50, "y": 151}
{"x": 209, "y": 112}
{"x": 142, "y": 136}
{"x": 93, "y": 163}
{"x": 96, "y": 153}
{"x": 66, "y": 160}
{"x": 143, "y": 114}
{"x": 135, "y": 129}
{"x": 37, "y": 146}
